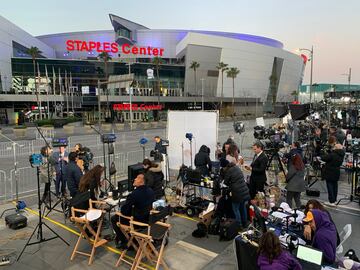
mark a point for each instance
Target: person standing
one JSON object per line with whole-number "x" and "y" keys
{"x": 331, "y": 171}
{"x": 258, "y": 170}
{"x": 154, "y": 178}
{"x": 295, "y": 180}
{"x": 61, "y": 159}
{"x": 239, "y": 191}
{"x": 159, "y": 145}
{"x": 202, "y": 161}
{"x": 73, "y": 173}
{"x": 46, "y": 171}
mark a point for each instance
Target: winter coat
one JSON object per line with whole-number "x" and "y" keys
{"x": 340, "y": 136}
{"x": 325, "y": 235}
{"x": 331, "y": 169}
{"x": 292, "y": 153}
{"x": 72, "y": 175}
{"x": 202, "y": 161}
{"x": 284, "y": 261}
{"x": 44, "y": 176}
{"x": 234, "y": 179}
{"x": 154, "y": 179}
{"x": 296, "y": 179}
{"x": 159, "y": 147}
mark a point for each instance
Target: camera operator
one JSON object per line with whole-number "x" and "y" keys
{"x": 295, "y": 149}
{"x": 202, "y": 161}
{"x": 338, "y": 134}
{"x": 45, "y": 175}
{"x": 331, "y": 171}
{"x": 258, "y": 170}
{"x": 73, "y": 173}
{"x": 159, "y": 145}
{"x": 85, "y": 156}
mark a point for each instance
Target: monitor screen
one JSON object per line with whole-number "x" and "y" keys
{"x": 309, "y": 254}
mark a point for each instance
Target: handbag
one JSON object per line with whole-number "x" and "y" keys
{"x": 112, "y": 170}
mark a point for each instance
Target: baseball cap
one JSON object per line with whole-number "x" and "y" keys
{"x": 309, "y": 217}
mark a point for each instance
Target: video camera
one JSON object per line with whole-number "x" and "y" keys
{"x": 85, "y": 155}
{"x": 156, "y": 155}
{"x": 270, "y": 138}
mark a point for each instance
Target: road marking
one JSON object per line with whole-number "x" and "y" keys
{"x": 197, "y": 249}
{"x": 186, "y": 217}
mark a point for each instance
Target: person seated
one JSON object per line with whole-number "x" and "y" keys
{"x": 138, "y": 205}
{"x": 154, "y": 178}
{"x": 91, "y": 181}
{"x": 73, "y": 174}
{"x": 324, "y": 234}
{"x": 272, "y": 257}
{"x": 202, "y": 161}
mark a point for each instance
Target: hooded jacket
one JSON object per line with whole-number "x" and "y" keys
{"x": 202, "y": 160}
{"x": 331, "y": 170}
{"x": 283, "y": 262}
{"x": 295, "y": 179}
{"x": 325, "y": 235}
{"x": 154, "y": 180}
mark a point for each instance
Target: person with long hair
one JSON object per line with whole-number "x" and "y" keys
{"x": 91, "y": 181}
{"x": 272, "y": 257}
{"x": 154, "y": 177}
{"x": 295, "y": 180}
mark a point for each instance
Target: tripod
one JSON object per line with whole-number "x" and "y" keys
{"x": 13, "y": 145}
{"x": 39, "y": 226}
{"x": 275, "y": 155}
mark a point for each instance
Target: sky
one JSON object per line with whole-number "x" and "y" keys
{"x": 331, "y": 26}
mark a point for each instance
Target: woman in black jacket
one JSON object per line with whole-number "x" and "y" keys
{"x": 202, "y": 160}
{"x": 331, "y": 171}
{"x": 91, "y": 181}
{"x": 234, "y": 179}
{"x": 154, "y": 178}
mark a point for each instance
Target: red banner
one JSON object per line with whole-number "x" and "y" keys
{"x": 137, "y": 107}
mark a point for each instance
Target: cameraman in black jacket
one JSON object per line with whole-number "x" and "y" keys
{"x": 331, "y": 171}
{"x": 202, "y": 161}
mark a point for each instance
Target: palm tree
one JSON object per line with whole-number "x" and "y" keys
{"x": 232, "y": 73}
{"x": 273, "y": 82}
{"x": 34, "y": 52}
{"x": 195, "y": 65}
{"x": 222, "y": 67}
{"x": 157, "y": 61}
{"x": 105, "y": 57}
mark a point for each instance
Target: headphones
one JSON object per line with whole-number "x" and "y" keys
{"x": 293, "y": 242}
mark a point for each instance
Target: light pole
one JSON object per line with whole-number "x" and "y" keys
{"x": 130, "y": 98}
{"x": 202, "y": 93}
{"x": 311, "y": 67}
{"x": 349, "y": 78}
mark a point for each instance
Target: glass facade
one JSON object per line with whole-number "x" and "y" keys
{"x": 84, "y": 74}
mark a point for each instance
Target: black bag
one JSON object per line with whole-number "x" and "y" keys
{"x": 313, "y": 192}
{"x": 351, "y": 255}
{"x": 112, "y": 170}
{"x": 229, "y": 229}
{"x": 214, "y": 226}
{"x": 16, "y": 221}
{"x": 201, "y": 230}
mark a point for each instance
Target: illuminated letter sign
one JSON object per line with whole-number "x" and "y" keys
{"x": 136, "y": 107}
{"x": 81, "y": 45}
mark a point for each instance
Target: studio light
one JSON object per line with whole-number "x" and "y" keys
{"x": 189, "y": 136}
{"x": 239, "y": 127}
{"x": 143, "y": 141}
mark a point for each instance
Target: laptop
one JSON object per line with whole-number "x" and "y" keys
{"x": 309, "y": 257}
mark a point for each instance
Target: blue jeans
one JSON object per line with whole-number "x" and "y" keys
{"x": 240, "y": 212}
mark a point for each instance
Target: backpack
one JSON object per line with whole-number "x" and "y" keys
{"x": 214, "y": 226}
{"x": 201, "y": 230}
{"x": 229, "y": 229}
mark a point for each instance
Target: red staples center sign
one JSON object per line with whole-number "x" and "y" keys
{"x": 136, "y": 107}
{"x": 113, "y": 47}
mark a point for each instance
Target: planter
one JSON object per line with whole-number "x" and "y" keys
{"x": 19, "y": 132}
{"x": 145, "y": 125}
{"x": 88, "y": 129}
{"x": 106, "y": 127}
{"x": 120, "y": 126}
{"x": 154, "y": 124}
{"x": 69, "y": 129}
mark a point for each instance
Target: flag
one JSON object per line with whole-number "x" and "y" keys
{"x": 60, "y": 83}
{"x": 47, "y": 80}
{"x": 54, "y": 80}
{"x": 38, "y": 90}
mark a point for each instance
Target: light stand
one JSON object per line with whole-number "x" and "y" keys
{"x": 39, "y": 228}
{"x": 189, "y": 136}
{"x": 98, "y": 132}
{"x": 142, "y": 142}
{"x": 13, "y": 145}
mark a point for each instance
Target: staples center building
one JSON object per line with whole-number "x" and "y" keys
{"x": 69, "y": 68}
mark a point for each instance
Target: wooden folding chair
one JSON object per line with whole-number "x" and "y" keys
{"x": 84, "y": 223}
{"x": 145, "y": 239}
{"x": 125, "y": 229}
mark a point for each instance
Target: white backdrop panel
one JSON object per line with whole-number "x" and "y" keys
{"x": 204, "y": 127}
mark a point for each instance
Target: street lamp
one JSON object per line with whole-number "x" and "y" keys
{"x": 202, "y": 93}
{"x": 349, "y": 78}
{"x": 311, "y": 67}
